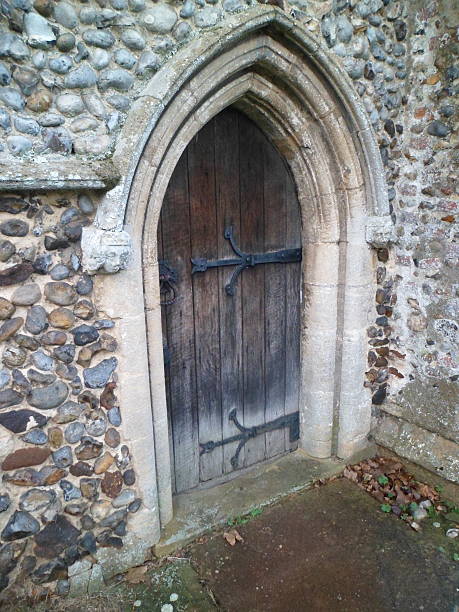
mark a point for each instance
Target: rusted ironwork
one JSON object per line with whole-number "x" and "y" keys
{"x": 292, "y": 421}
{"x": 243, "y": 260}
{"x": 167, "y": 282}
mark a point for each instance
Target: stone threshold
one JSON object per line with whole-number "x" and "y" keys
{"x": 202, "y": 509}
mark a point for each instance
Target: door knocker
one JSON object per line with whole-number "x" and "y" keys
{"x": 167, "y": 282}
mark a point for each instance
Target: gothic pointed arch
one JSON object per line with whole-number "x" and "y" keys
{"x": 266, "y": 65}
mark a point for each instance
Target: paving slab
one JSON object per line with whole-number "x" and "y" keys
{"x": 330, "y": 549}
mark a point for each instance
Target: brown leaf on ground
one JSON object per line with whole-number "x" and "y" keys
{"x": 232, "y": 537}
{"x": 388, "y": 481}
{"x": 401, "y": 498}
{"x": 427, "y": 491}
{"x": 404, "y": 478}
{"x": 239, "y": 538}
{"x": 350, "y": 474}
{"x": 391, "y": 467}
{"x": 136, "y": 575}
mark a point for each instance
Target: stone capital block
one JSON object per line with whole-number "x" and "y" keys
{"x": 105, "y": 251}
{"x": 379, "y": 231}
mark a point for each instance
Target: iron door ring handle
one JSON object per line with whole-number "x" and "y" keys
{"x": 167, "y": 284}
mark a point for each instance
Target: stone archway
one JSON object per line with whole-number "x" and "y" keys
{"x": 264, "y": 64}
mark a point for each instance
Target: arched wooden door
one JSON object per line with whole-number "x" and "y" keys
{"x": 232, "y": 353}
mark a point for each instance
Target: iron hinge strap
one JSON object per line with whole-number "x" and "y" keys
{"x": 243, "y": 260}
{"x": 292, "y": 421}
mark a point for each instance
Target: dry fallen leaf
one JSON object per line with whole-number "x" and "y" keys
{"x": 388, "y": 481}
{"x": 232, "y": 537}
{"x": 350, "y": 474}
{"x": 401, "y": 498}
{"x": 427, "y": 491}
{"x": 229, "y": 537}
{"x": 136, "y": 574}
{"x": 405, "y": 479}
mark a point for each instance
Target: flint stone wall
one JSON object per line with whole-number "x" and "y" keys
{"x": 68, "y": 484}
{"x": 69, "y": 72}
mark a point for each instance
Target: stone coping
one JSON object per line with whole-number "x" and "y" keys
{"x": 46, "y": 174}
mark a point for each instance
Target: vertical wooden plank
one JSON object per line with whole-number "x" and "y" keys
{"x": 201, "y": 176}
{"x": 228, "y": 214}
{"x": 183, "y": 409}
{"x": 251, "y": 284}
{"x": 293, "y": 305}
{"x": 166, "y": 352}
{"x": 275, "y": 295}
{"x": 239, "y": 352}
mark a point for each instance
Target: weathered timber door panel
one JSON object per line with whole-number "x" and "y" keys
{"x": 231, "y": 358}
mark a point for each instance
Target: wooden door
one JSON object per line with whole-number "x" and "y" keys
{"x": 231, "y": 361}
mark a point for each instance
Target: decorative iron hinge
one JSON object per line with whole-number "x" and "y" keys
{"x": 292, "y": 421}
{"x": 244, "y": 260}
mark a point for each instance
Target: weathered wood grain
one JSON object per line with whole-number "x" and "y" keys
{"x": 230, "y": 352}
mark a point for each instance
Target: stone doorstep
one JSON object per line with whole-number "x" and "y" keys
{"x": 203, "y": 509}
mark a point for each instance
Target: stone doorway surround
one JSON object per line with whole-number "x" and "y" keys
{"x": 269, "y": 67}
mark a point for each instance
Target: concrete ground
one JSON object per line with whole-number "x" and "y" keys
{"x": 328, "y": 548}
{"x": 325, "y": 549}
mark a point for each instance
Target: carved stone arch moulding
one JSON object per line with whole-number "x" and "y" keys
{"x": 267, "y": 66}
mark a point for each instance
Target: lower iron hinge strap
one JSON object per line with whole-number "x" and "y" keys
{"x": 292, "y": 421}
